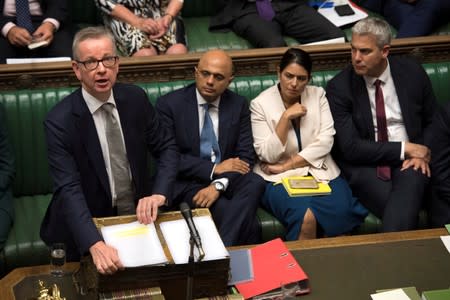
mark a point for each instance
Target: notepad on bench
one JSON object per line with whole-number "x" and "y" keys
{"x": 298, "y": 186}
{"x": 241, "y": 266}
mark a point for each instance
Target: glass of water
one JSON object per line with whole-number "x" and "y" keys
{"x": 57, "y": 259}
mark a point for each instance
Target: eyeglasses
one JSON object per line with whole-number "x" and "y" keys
{"x": 92, "y": 64}
{"x": 206, "y": 74}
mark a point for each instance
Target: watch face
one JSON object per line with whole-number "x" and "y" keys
{"x": 219, "y": 186}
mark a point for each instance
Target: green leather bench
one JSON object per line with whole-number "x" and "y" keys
{"x": 25, "y": 112}
{"x": 196, "y": 15}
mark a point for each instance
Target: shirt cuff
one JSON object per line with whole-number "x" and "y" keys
{"x": 402, "y": 152}
{"x": 7, "y": 28}
{"x": 224, "y": 181}
{"x": 53, "y": 21}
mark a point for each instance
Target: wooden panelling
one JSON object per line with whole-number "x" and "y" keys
{"x": 247, "y": 63}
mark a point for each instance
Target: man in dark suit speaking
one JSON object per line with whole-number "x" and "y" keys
{"x": 98, "y": 140}
{"x": 382, "y": 109}
{"x": 212, "y": 129}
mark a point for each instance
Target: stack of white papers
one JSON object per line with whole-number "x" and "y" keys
{"x": 35, "y": 60}
{"x": 333, "y": 17}
{"x": 176, "y": 234}
{"x": 139, "y": 245}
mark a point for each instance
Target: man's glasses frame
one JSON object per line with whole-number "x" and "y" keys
{"x": 92, "y": 64}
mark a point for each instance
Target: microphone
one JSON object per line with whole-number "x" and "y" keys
{"x": 187, "y": 214}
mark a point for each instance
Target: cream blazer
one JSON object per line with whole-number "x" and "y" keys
{"x": 316, "y": 132}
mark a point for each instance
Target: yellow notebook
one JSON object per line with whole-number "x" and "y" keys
{"x": 298, "y": 186}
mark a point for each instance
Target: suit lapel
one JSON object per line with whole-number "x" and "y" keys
{"x": 364, "y": 114}
{"x": 401, "y": 91}
{"x": 190, "y": 119}
{"x": 89, "y": 138}
{"x": 225, "y": 119}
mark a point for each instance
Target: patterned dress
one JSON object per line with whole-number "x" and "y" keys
{"x": 130, "y": 39}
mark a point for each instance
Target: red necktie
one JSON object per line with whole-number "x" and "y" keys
{"x": 383, "y": 172}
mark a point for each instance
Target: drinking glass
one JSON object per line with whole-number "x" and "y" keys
{"x": 289, "y": 290}
{"x": 57, "y": 259}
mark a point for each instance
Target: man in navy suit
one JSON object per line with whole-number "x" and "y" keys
{"x": 383, "y": 149}
{"x": 440, "y": 166}
{"x": 7, "y": 171}
{"x": 50, "y": 22}
{"x": 220, "y": 180}
{"x": 294, "y": 18}
{"x": 82, "y": 160}
{"x": 411, "y": 17}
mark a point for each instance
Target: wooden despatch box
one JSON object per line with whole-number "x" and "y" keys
{"x": 210, "y": 277}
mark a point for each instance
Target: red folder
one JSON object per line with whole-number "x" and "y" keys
{"x": 273, "y": 264}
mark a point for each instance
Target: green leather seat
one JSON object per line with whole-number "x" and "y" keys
{"x": 25, "y": 113}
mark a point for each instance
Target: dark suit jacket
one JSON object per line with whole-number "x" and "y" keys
{"x": 229, "y": 10}
{"x": 440, "y": 167}
{"x": 7, "y": 172}
{"x": 349, "y": 102}
{"x": 56, "y": 9}
{"x": 179, "y": 110}
{"x": 81, "y": 186}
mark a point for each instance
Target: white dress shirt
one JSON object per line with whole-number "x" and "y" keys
{"x": 214, "y": 114}
{"x": 9, "y": 9}
{"x": 394, "y": 119}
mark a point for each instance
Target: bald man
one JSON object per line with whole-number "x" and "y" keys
{"x": 211, "y": 126}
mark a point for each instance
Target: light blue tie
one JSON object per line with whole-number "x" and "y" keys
{"x": 23, "y": 16}
{"x": 208, "y": 140}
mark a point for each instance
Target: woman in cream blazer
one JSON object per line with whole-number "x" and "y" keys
{"x": 293, "y": 135}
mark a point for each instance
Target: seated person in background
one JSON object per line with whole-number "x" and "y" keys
{"x": 293, "y": 135}
{"x": 411, "y": 17}
{"x": 212, "y": 129}
{"x": 145, "y": 27}
{"x": 45, "y": 20}
{"x": 440, "y": 168}
{"x": 6, "y": 180}
{"x": 98, "y": 140}
{"x": 382, "y": 108}
{"x": 263, "y": 22}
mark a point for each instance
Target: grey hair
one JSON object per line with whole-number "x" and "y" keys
{"x": 91, "y": 33}
{"x": 376, "y": 26}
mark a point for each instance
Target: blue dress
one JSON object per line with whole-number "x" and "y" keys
{"x": 337, "y": 213}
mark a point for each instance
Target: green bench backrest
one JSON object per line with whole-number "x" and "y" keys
{"x": 196, "y": 8}
{"x": 26, "y": 111}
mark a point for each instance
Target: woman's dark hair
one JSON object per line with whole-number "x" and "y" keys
{"x": 298, "y": 56}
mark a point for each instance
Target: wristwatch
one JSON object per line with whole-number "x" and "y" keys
{"x": 219, "y": 186}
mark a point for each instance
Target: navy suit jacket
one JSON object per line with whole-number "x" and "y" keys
{"x": 179, "y": 111}
{"x": 229, "y": 10}
{"x": 7, "y": 171}
{"x": 355, "y": 135}
{"x": 56, "y": 9}
{"x": 440, "y": 170}
{"x": 81, "y": 186}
